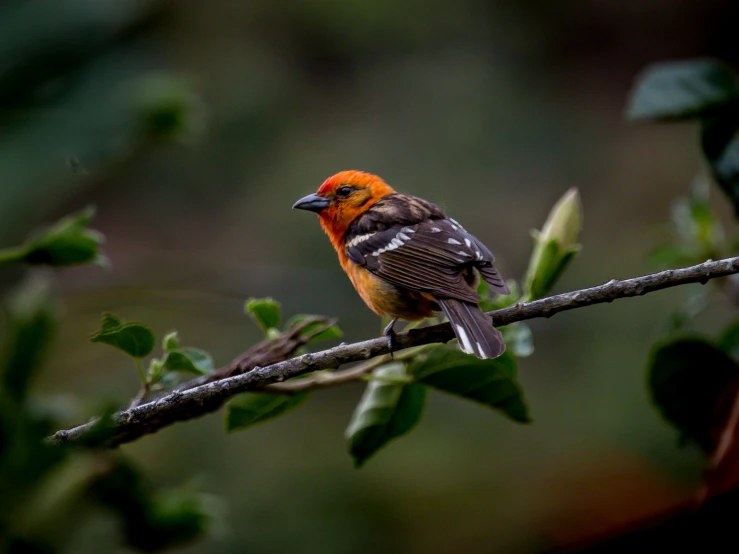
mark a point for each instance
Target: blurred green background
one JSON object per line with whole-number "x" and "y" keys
{"x": 490, "y": 109}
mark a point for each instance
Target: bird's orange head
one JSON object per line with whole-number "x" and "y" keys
{"x": 342, "y": 198}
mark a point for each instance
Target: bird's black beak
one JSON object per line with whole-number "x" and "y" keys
{"x": 312, "y": 203}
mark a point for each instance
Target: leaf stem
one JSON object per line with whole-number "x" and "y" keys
{"x": 142, "y": 374}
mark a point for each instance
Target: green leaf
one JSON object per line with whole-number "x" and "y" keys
{"x": 68, "y": 242}
{"x": 110, "y": 323}
{"x": 330, "y": 332}
{"x": 489, "y": 382}
{"x": 386, "y": 411}
{"x": 135, "y": 339}
{"x": 693, "y": 384}
{"x": 720, "y": 144}
{"x": 32, "y": 321}
{"x": 265, "y": 311}
{"x": 170, "y": 341}
{"x": 250, "y": 408}
{"x": 518, "y": 339}
{"x": 189, "y": 360}
{"x": 682, "y": 90}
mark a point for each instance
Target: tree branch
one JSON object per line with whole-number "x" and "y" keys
{"x": 182, "y": 405}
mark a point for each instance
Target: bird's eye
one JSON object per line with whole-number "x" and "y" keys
{"x": 343, "y": 191}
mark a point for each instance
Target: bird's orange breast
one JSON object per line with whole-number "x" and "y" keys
{"x": 386, "y": 299}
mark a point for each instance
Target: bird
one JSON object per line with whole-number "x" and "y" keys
{"x": 407, "y": 259}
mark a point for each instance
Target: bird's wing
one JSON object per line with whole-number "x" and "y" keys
{"x": 431, "y": 255}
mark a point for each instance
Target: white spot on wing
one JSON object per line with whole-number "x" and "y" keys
{"x": 481, "y": 351}
{"x": 463, "y": 253}
{"x": 408, "y": 230}
{"x": 468, "y": 242}
{"x": 464, "y": 340}
{"x": 456, "y": 223}
{"x": 478, "y": 255}
{"x": 397, "y": 241}
{"x": 451, "y": 240}
{"x": 358, "y": 239}
{"x": 435, "y": 230}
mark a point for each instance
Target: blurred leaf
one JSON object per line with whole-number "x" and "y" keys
{"x": 135, "y": 339}
{"x": 729, "y": 341}
{"x": 265, "y": 311}
{"x": 250, "y": 408}
{"x": 386, "y": 411}
{"x": 330, "y": 332}
{"x": 695, "y": 302}
{"x": 669, "y": 256}
{"x": 699, "y": 234}
{"x": 48, "y": 517}
{"x": 696, "y": 223}
{"x": 151, "y": 520}
{"x": 518, "y": 339}
{"x": 170, "y": 341}
{"x": 721, "y": 148}
{"x": 169, "y": 108}
{"x": 489, "y": 382}
{"x": 156, "y": 374}
{"x": 68, "y": 242}
{"x": 32, "y": 321}
{"x": 189, "y": 360}
{"x": 693, "y": 384}
{"x": 682, "y": 90}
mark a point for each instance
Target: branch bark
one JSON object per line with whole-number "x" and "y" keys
{"x": 182, "y": 405}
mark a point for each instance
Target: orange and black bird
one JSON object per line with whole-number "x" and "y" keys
{"x": 406, "y": 258}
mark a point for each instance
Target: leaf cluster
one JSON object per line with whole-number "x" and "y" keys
{"x": 46, "y": 491}
{"x": 693, "y": 379}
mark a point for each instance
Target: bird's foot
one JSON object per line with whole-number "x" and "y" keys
{"x": 389, "y": 332}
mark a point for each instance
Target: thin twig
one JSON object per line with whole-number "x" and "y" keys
{"x": 148, "y": 418}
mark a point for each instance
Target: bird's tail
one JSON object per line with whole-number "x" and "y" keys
{"x": 474, "y": 329}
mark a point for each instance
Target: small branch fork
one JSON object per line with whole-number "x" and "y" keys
{"x": 206, "y": 397}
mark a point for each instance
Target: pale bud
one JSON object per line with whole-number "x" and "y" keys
{"x": 555, "y": 245}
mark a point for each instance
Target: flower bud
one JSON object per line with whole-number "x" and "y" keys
{"x": 555, "y": 245}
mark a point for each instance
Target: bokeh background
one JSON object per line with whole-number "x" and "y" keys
{"x": 490, "y": 109}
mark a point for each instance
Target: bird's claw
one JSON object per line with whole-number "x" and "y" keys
{"x": 389, "y": 332}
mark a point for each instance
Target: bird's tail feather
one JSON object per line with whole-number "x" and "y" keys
{"x": 474, "y": 329}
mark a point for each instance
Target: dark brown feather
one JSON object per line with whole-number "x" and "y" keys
{"x": 411, "y": 243}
